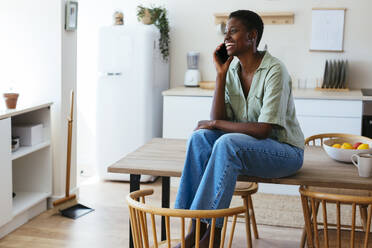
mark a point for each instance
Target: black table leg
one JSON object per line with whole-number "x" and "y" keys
{"x": 165, "y": 199}
{"x": 134, "y": 185}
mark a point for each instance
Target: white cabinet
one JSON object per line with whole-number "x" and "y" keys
{"x": 5, "y": 172}
{"x": 329, "y": 116}
{"x": 26, "y": 172}
{"x": 182, "y": 113}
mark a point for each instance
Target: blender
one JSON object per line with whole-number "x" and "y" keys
{"x": 192, "y": 75}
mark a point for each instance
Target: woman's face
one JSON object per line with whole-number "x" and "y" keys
{"x": 237, "y": 39}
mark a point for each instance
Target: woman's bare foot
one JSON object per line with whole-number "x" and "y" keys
{"x": 190, "y": 237}
{"x": 204, "y": 242}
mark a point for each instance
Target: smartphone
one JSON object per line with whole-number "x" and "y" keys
{"x": 222, "y": 53}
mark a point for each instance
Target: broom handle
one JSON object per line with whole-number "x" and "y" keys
{"x": 69, "y": 138}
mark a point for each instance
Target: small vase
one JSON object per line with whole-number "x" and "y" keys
{"x": 146, "y": 19}
{"x": 11, "y": 100}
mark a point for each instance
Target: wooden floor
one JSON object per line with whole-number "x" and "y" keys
{"x": 108, "y": 225}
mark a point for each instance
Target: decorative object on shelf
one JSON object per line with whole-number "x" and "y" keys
{"x": 11, "y": 100}
{"x": 15, "y": 143}
{"x": 71, "y": 15}
{"x": 334, "y": 78}
{"x": 29, "y": 134}
{"x": 327, "y": 34}
{"x": 268, "y": 18}
{"x": 118, "y": 18}
{"x": 158, "y": 17}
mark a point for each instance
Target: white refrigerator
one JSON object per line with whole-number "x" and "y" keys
{"x": 132, "y": 75}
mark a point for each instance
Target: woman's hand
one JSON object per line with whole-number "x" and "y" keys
{"x": 206, "y": 124}
{"x": 221, "y": 68}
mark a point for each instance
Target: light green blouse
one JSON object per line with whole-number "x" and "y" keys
{"x": 269, "y": 100}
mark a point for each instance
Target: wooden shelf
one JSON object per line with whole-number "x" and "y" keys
{"x": 24, "y": 150}
{"x": 24, "y": 200}
{"x": 274, "y": 18}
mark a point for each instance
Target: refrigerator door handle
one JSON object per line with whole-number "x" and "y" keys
{"x": 113, "y": 73}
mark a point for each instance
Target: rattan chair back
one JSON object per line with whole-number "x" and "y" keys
{"x": 312, "y": 200}
{"x": 140, "y": 213}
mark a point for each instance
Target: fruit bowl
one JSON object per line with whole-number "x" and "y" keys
{"x": 344, "y": 155}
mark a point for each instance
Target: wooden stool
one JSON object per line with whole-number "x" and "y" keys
{"x": 245, "y": 190}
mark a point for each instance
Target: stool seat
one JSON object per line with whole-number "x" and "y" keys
{"x": 245, "y": 188}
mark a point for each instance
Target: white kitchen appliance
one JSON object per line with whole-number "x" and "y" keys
{"x": 129, "y": 101}
{"x": 192, "y": 75}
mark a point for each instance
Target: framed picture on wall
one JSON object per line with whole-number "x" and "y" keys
{"x": 71, "y": 15}
{"x": 327, "y": 33}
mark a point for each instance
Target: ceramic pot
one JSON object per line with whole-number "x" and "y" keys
{"x": 11, "y": 100}
{"x": 146, "y": 19}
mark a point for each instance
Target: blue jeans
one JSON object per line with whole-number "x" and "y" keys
{"x": 214, "y": 159}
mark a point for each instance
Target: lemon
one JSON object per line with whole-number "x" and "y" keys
{"x": 346, "y": 146}
{"x": 363, "y": 146}
{"x": 336, "y": 146}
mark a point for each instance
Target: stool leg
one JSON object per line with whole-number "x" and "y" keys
{"x": 247, "y": 222}
{"x": 303, "y": 238}
{"x": 254, "y": 225}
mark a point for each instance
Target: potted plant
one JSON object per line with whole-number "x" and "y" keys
{"x": 10, "y": 98}
{"x": 158, "y": 17}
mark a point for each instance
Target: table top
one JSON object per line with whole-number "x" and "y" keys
{"x": 165, "y": 157}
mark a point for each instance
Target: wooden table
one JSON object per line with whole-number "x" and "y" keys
{"x": 165, "y": 158}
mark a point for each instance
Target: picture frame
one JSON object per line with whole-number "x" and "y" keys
{"x": 327, "y": 33}
{"x": 71, "y": 15}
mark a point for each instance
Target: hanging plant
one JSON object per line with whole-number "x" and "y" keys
{"x": 158, "y": 17}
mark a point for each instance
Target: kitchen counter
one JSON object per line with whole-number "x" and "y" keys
{"x": 297, "y": 93}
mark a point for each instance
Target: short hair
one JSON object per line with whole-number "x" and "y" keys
{"x": 251, "y": 21}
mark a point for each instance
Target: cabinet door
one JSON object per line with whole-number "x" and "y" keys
{"x": 182, "y": 113}
{"x": 5, "y": 172}
{"x": 329, "y": 116}
{"x": 312, "y": 125}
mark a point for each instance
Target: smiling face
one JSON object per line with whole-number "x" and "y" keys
{"x": 238, "y": 39}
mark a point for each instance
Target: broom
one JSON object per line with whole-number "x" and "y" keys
{"x": 68, "y": 205}
{"x": 69, "y": 199}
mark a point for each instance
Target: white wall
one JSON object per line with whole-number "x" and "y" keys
{"x": 192, "y": 28}
{"x": 38, "y": 61}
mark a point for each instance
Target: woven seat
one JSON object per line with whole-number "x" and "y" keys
{"x": 245, "y": 190}
{"x": 143, "y": 222}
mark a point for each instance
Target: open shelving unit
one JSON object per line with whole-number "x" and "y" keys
{"x": 25, "y": 150}
{"x": 26, "y": 172}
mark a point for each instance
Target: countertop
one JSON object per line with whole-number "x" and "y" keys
{"x": 297, "y": 93}
{"x": 6, "y": 113}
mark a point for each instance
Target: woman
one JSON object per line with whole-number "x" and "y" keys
{"x": 253, "y": 128}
